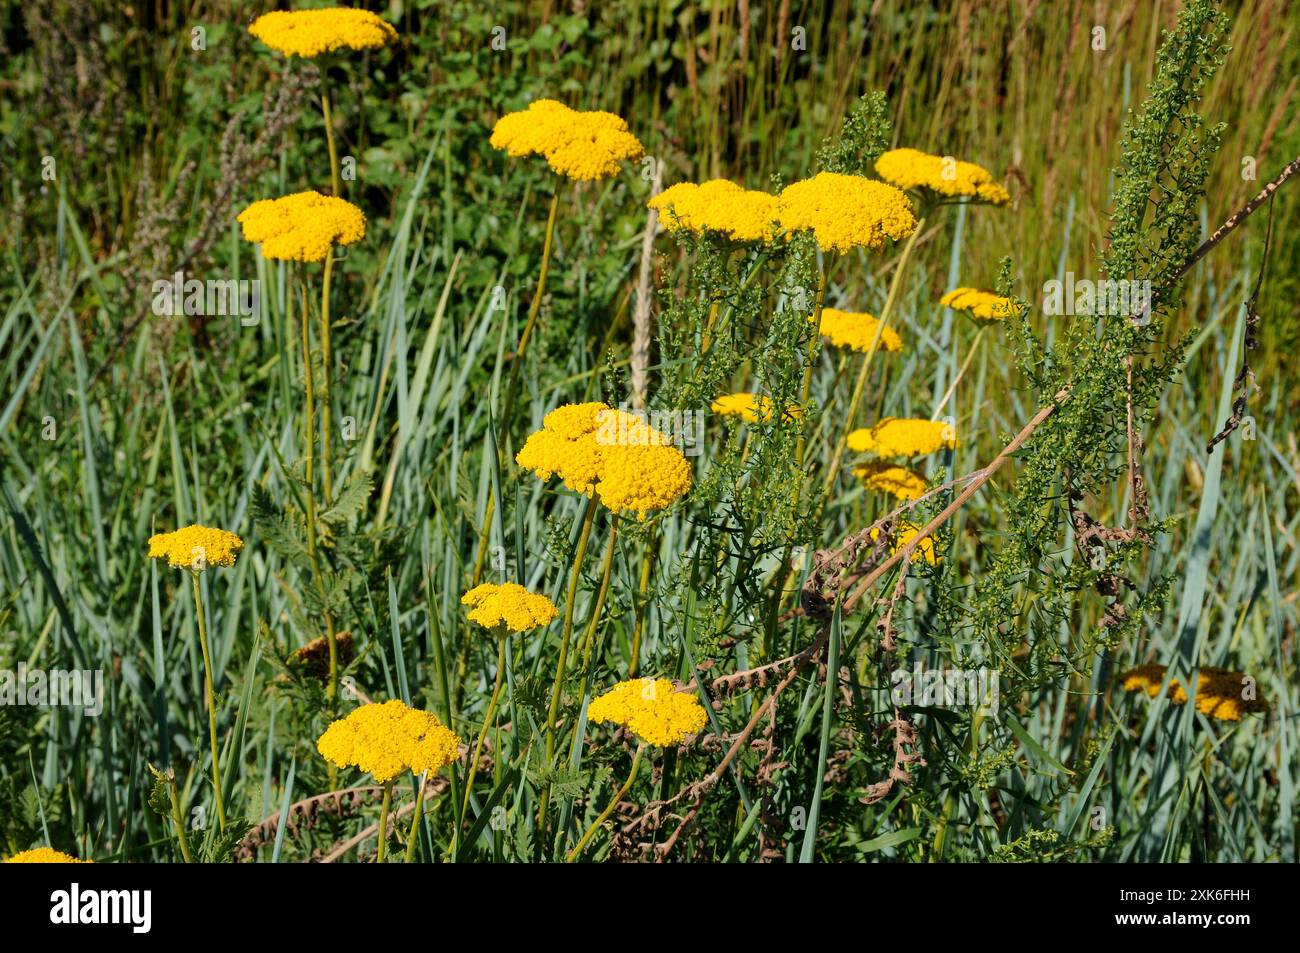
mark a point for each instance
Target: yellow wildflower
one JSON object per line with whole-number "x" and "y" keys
{"x": 44, "y": 855}
{"x": 195, "y": 547}
{"x": 508, "y": 604}
{"x": 888, "y": 478}
{"x": 717, "y": 206}
{"x": 582, "y": 145}
{"x": 595, "y": 449}
{"x": 1220, "y": 693}
{"x": 903, "y": 437}
{"x": 904, "y": 534}
{"x": 302, "y": 226}
{"x": 387, "y": 739}
{"x": 309, "y": 33}
{"x": 651, "y": 708}
{"x": 856, "y": 330}
{"x": 942, "y": 175}
{"x": 750, "y": 407}
{"x": 846, "y": 211}
{"x": 980, "y": 306}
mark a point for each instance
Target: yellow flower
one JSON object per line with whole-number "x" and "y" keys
{"x": 302, "y": 226}
{"x": 942, "y": 175}
{"x": 1220, "y": 693}
{"x": 846, "y": 211}
{"x": 717, "y": 206}
{"x": 508, "y": 604}
{"x": 385, "y": 740}
{"x": 980, "y": 306}
{"x": 44, "y": 855}
{"x": 888, "y": 478}
{"x": 750, "y": 407}
{"x": 903, "y": 437}
{"x": 582, "y": 145}
{"x": 309, "y": 33}
{"x": 651, "y": 708}
{"x": 856, "y": 330}
{"x": 195, "y": 547}
{"x": 594, "y": 449}
{"x": 903, "y": 535}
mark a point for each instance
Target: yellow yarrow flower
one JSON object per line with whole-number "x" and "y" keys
{"x": 309, "y": 33}
{"x": 652, "y": 709}
{"x": 583, "y": 145}
{"x": 753, "y": 408}
{"x": 900, "y": 482}
{"x": 942, "y": 175}
{"x": 510, "y": 605}
{"x": 302, "y": 226}
{"x": 44, "y": 855}
{"x": 195, "y": 547}
{"x": 1220, "y": 693}
{"x": 856, "y": 330}
{"x": 980, "y": 306}
{"x": 386, "y": 739}
{"x": 717, "y": 206}
{"x": 904, "y": 534}
{"x": 846, "y": 211}
{"x": 595, "y": 449}
{"x": 903, "y": 437}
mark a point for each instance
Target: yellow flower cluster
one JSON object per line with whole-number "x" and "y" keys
{"x": 579, "y": 144}
{"x": 385, "y": 740}
{"x": 309, "y": 33}
{"x": 943, "y": 175}
{"x": 651, "y": 708}
{"x": 749, "y": 407}
{"x": 1219, "y": 692}
{"x": 510, "y": 605}
{"x": 717, "y": 206}
{"x": 903, "y": 437}
{"x": 44, "y": 855}
{"x": 629, "y": 465}
{"x": 981, "y": 306}
{"x": 195, "y": 547}
{"x": 856, "y": 330}
{"x": 302, "y": 226}
{"x": 846, "y": 211}
{"x": 903, "y": 535}
{"x": 885, "y": 477}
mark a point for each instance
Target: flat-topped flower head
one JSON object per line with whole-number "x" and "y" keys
{"x": 846, "y": 211}
{"x": 1221, "y": 694}
{"x": 903, "y": 534}
{"x": 309, "y": 33}
{"x": 943, "y": 176}
{"x": 44, "y": 855}
{"x": 583, "y": 145}
{"x": 652, "y": 709}
{"x": 508, "y": 605}
{"x": 899, "y": 482}
{"x": 982, "y": 307}
{"x": 195, "y": 547}
{"x": 386, "y": 739}
{"x": 717, "y": 207}
{"x": 616, "y": 456}
{"x": 753, "y": 408}
{"x": 313, "y": 659}
{"x": 856, "y": 330}
{"x": 903, "y": 437}
{"x": 303, "y": 226}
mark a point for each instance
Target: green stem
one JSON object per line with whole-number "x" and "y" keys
{"x": 414, "y": 835}
{"x": 638, "y": 627}
{"x": 336, "y": 182}
{"x": 211, "y": 702}
{"x": 382, "y": 849}
{"x": 178, "y": 818}
{"x": 482, "y": 734}
{"x": 950, "y": 800}
{"x": 609, "y": 808}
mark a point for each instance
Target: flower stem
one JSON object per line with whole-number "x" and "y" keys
{"x": 414, "y": 835}
{"x": 382, "y": 850}
{"x": 609, "y": 808}
{"x": 487, "y": 721}
{"x": 638, "y": 628}
{"x": 211, "y": 702}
